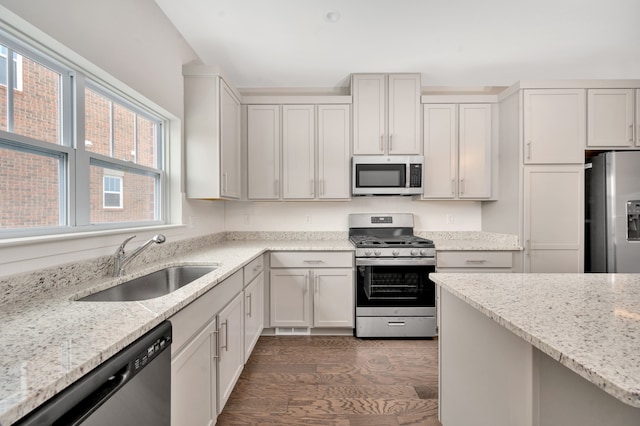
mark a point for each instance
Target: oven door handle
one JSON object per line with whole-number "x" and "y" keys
{"x": 395, "y": 262}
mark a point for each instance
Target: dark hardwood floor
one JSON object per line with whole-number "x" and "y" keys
{"x": 301, "y": 380}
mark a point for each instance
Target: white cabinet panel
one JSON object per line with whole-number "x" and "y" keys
{"x": 553, "y": 218}
{"x": 334, "y": 130}
{"x": 289, "y": 298}
{"x": 254, "y": 314}
{"x": 230, "y": 348}
{"x": 610, "y": 118}
{"x": 230, "y": 146}
{"x": 386, "y": 114}
{"x": 554, "y": 126}
{"x": 298, "y": 152}
{"x": 263, "y": 162}
{"x": 333, "y": 298}
{"x": 194, "y": 368}
{"x": 458, "y": 151}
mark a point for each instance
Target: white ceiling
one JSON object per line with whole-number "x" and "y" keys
{"x": 289, "y": 43}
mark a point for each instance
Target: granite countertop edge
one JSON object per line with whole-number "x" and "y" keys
{"x": 547, "y": 344}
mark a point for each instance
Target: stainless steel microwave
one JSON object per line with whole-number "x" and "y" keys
{"x": 387, "y": 175}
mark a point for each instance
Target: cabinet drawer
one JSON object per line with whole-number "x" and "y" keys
{"x": 475, "y": 259}
{"x": 312, "y": 259}
{"x": 194, "y": 316}
{"x": 253, "y": 268}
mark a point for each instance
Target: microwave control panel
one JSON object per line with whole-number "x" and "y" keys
{"x": 415, "y": 175}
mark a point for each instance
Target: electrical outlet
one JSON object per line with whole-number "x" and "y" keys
{"x": 450, "y": 219}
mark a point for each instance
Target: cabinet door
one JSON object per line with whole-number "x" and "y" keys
{"x": 554, "y": 126}
{"x": 404, "y": 114}
{"x": 369, "y": 124}
{"x": 298, "y": 152}
{"x": 474, "y": 167}
{"x": 230, "y": 348}
{"x": 610, "y": 117}
{"x": 290, "y": 300}
{"x": 230, "y": 142}
{"x": 253, "y": 314}
{"x": 194, "y": 368}
{"x": 636, "y": 128}
{"x": 333, "y": 152}
{"x": 440, "y": 151}
{"x": 333, "y": 298}
{"x": 263, "y": 146}
{"x": 553, "y": 218}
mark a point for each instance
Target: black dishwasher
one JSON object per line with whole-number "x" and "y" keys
{"x": 132, "y": 388}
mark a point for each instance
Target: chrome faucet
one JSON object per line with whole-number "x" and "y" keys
{"x": 121, "y": 259}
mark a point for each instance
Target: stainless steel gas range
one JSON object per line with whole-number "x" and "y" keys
{"x": 394, "y": 295}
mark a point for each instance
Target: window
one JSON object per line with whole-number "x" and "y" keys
{"x": 112, "y": 192}
{"x": 50, "y": 182}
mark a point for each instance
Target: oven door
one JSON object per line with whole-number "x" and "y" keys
{"x": 394, "y": 287}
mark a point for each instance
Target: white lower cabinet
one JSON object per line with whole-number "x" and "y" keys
{"x": 230, "y": 348}
{"x": 195, "y": 368}
{"x": 474, "y": 261}
{"x": 253, "y": 304}
{"x": 312, "y": 289}
{"x": 207, "y": 353}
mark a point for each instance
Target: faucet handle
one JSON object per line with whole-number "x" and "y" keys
{"x": 124, "y": 243}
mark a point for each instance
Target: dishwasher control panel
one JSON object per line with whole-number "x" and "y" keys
{"x": 152, "y": 351}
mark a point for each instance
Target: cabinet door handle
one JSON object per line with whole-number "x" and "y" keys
{"x": 317, "y": 284}
{"x": 453, "y": 185}
{"x": 217, "y": 344}
{"x": 306, "y": 283}
{"x": 390, "y": 142}
{"x": 528, "y": 247}
{"x": 381, "y": 142}
{"x": 225, "y": 180}
{"x": 313, "y": 262}
{"x": 462, "y": 186}
{"x": 249, "y": 304}
{"x": 226, "y": 336}
{"x": 529, "y": 150}
{"x": 257, "y": 269}
{"x": 475, "y": 261}
{"x": 632, "y": 136}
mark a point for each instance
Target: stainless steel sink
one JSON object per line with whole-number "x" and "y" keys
{"x": 155, "y": 284}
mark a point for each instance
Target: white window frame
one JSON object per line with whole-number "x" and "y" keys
{"x": 18, "y": 69}
{"x": 75, "y": 211}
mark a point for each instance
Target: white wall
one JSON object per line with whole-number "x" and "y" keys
{"x": 134, "y": 42}
{"x": 332, "y": 216}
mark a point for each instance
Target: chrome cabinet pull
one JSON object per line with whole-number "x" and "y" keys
{"x": 475, "y": 261}
{"x": 249, "y": 303}
{"x": 529, "y": 150}
{"x": 317, "y": 284}
{"x": 217, "y": 343}
{"x": 390, "y": 142}
{"x": 226, "y": 336}
{"x": 453, "y": 183}
{"x": 462, "y": 186}
{"x": 632, "y": 136}
{"x": 528, "y": 247}
{"x": 312, "y": 262}
{"x": 381, "y": 142}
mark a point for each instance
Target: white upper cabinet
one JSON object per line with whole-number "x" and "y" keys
{"x": 458, "y": 151}
{"x": 263, "y": 147}
{"x": 554, "y": 126}
{"x": 386, "y": 114}
{"x": 334, "y": 132}
{"x": 298, "y": 152}
{"x": 230, "y": 147}
{"x": 212, "y": 135}
{"x": 611, "y": 118}
{"x": 314, "y": 143}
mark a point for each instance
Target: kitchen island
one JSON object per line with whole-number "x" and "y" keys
{"x": 539, "y": 349}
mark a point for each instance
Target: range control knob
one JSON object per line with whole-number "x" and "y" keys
{"x": 414, "y": 252}
{"x": 395, "y": 252}
{"x": 423, "y": 252}
{"x": 377, "y": 252}
{"x": 367, "y": 252}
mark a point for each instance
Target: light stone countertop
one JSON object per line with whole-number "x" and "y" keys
{"x": 49, "y": 340}
{"x": 589, "y": 323}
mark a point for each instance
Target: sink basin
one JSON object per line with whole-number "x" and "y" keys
{"x": 155, "y": 284}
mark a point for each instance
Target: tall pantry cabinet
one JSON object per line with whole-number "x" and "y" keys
{"x": 542, "y": 142}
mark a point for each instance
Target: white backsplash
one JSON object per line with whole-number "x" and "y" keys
{"x": 333, "y": 216}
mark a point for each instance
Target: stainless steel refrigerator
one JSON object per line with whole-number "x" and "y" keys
{"x": 613, "y": 213}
